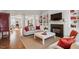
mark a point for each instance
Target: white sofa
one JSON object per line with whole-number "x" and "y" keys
{"x": 33, "y": 30}
{"x": 30, "y": 32}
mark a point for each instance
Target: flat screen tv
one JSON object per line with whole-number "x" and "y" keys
{"x": 56, "y": 17}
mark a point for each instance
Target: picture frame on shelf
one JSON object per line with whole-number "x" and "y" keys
{"x": 73, "y": 26}
{"x": 75, "y": 21}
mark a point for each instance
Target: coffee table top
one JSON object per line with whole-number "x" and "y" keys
{"x": 40, "y": 34}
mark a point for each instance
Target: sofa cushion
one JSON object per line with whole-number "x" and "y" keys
{"x": 26, "y": 28}
{"x": 37, "y": 27}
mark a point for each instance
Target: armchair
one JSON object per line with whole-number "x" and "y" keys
{"x": 67, "y": 42}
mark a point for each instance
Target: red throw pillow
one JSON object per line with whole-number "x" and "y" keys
{"x": 26, "y": 28}
{"x": 37, "y": 27}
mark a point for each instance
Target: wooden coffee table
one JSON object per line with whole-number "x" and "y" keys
{"x": 44, "y": 37}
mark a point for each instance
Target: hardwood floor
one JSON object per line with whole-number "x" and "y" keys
{"x": 13, "y": 43}
{"x": 30, "y": 43}
{"x": 17, "y": 41}
{"x": 4, "y": 43}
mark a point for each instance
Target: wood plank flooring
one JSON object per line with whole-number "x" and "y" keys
{"x": 4, "y": 43}
{"x": 17, "y": 41}
{"x": 30, "y": 43}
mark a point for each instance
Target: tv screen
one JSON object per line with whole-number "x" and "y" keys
{"x": 57, "y": 16}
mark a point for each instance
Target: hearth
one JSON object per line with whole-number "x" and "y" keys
{"x": 58, "y": 29}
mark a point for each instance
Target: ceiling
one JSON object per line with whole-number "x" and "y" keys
{"x": 25, "y": 12}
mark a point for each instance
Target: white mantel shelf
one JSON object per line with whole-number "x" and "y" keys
{"x": 56, "y": 22}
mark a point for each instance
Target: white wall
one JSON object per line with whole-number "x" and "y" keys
{"x": 67, "y": 23}
{"x": 77, "y": 38}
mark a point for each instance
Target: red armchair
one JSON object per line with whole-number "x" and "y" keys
{"x": 67, "y": 42}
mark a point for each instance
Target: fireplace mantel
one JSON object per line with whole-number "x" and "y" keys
{"x": 57, "y": 22}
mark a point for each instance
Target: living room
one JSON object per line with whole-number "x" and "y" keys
{"x": 27, "y": 27}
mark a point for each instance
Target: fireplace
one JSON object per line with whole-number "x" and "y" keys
{"x": 58, "y": 29}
